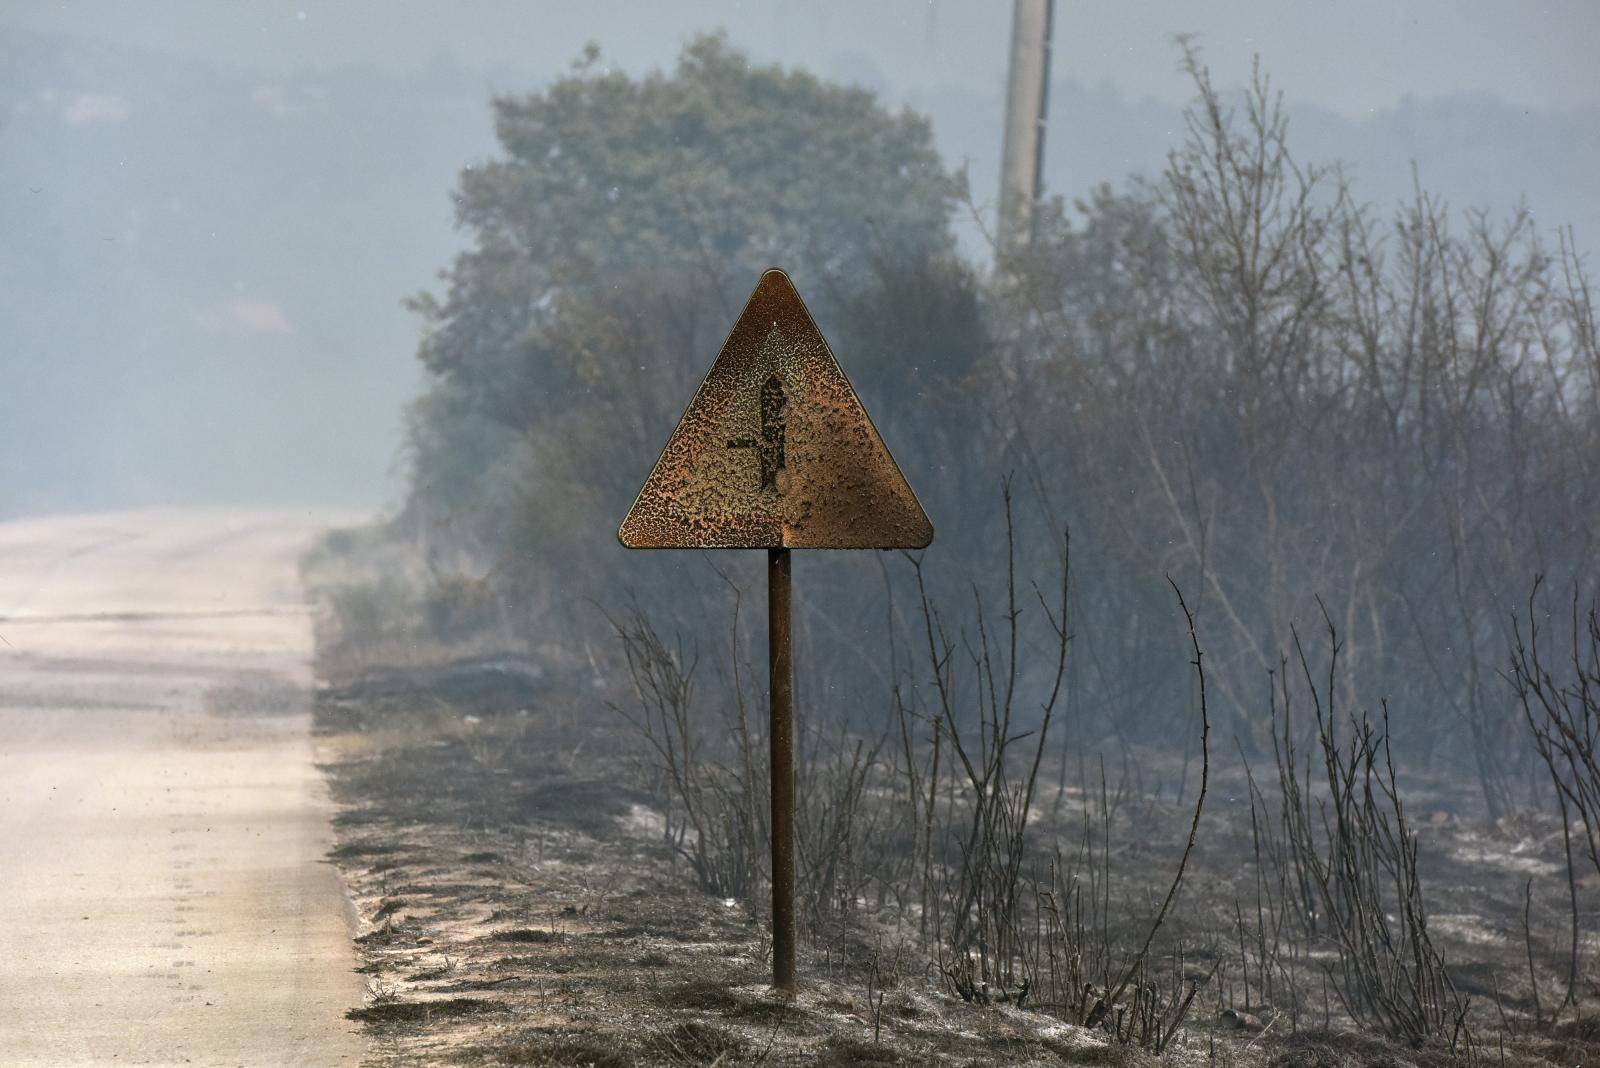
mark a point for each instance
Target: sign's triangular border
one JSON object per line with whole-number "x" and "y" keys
{"x": 900, "y": 524}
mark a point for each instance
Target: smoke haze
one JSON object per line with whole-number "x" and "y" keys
{"x": 210, "y": 217}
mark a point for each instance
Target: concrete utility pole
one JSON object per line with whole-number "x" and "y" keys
{"x": 1027, "y": 100}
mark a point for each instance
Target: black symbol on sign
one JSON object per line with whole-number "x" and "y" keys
{"x": 769, "y": 450}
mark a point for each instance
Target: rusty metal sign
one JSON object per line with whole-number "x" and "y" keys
{"x": 775, "y": 450}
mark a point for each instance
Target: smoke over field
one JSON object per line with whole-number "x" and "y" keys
{"x": 1245, "y": 697}
{"x": 1245, "y": 707}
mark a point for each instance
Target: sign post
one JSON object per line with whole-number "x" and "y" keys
{"x": 776, "y": 452}
{"x": 780, "y": 688}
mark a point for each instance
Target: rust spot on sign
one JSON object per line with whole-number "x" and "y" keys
{"x": 775, "y": 450}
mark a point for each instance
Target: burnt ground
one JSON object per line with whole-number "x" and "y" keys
{"x": 520, "y": 907}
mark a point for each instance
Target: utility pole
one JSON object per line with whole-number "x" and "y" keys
{"x": 1027, "y": 100}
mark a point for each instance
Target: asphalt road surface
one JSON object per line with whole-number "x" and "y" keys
{"x": 164, "y": 892}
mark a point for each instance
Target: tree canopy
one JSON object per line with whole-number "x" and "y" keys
{"x": 712, "y": 172}
{"x": 612, "y": 243}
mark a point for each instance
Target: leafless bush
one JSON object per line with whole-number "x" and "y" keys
{"x": 1347, "y": 859}
{"x": 938, "y": 813}
{"x": 706, "y": 786}
{"x": 1072, "y": 959}
{"x": 979, "y": 888}
{"x": 1564, "y": 714}
{"x": 1564, "y": 718}
{"x": 840, "y": 831}
{"x": 1272, "y": 943}
{"x": 705, "y": 763}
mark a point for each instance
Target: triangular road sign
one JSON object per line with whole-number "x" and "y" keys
{"x": 775, "y": 450}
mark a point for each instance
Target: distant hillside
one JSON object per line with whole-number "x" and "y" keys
{"x": 201, "y": 269}
{"x": 201, "y": 272}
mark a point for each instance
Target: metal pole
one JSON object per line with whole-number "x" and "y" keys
{"x": 780, "y": 674}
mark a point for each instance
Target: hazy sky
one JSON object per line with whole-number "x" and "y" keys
{"x": 210, "y": 210}
{"x": 1350, "y": 57}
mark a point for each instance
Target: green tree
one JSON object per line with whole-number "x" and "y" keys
{"x": 716, "y": 171}
{"x": 612, "y": 244}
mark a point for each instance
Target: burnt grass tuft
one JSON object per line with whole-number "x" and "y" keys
{"x": 1107, "y": 1056}
{"x": 693, "y": 1042}
{"x": 838, "y": 1052}
{"x": 1345, "y": 1049}
{"x": 561, "y": 1051}
{"x": 527, "y": 934}
{"x": 405, "y": 1012}
{"x": 364, "y": 847}
{"x": 716, "y": 996}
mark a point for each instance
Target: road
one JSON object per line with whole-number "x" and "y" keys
{"x": 164, "y": 893}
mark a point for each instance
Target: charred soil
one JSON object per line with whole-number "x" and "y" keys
{"x": 520, "y": 906}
